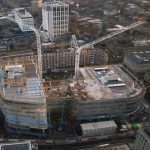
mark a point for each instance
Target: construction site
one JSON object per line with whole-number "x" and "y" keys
{"x": 38, "y": 91}
{"x": 102, "y": 89}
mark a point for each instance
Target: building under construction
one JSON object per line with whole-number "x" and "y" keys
{"x": 96, "y": 94}
{"x": 100, "y": 90}
{"x": 22, "y": 98}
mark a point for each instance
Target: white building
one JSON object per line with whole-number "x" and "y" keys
{"x": 55, "y": 19}
{"x": 98, "y": 128}
{"x": 23, "y": 17}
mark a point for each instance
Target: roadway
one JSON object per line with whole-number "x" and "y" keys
{"x": 88, "y": 144}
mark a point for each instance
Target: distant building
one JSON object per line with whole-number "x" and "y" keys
{"x": 87, "y": 25}
{"x": 132, "y": 9}
{"x": 23, "y": 17}
{"x": 16, "y": 146}
{"x": 55, "y": 19}
{"x": 142, "y": 141}
{"x": 111, "y": 12}
{"x": 141, "y": 43}
{"x": 138, "y": 62}
{"x": 36, "y": 6}
{"x": 110, "y": 9}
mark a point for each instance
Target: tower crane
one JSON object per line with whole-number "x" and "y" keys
{"x": 38, "y": 41}
{"x": 78, "y": 49}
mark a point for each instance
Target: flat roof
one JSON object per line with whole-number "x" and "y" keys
{"x": 22, "y": 13}
{"x": 98, "y": 125}
{"x": 21, "y": 83}
{"x": 142, "y": 57}
{"x": 54, "y": 4}
{"x": 106, "y": 82}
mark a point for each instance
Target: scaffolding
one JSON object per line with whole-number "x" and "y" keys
{"x": 23, "y": 101}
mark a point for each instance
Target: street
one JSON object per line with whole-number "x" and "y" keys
{"x": 76, "y": 146}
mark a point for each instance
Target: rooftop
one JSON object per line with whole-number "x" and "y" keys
{"x": 98, "y": 125}
{"x": 89, "y": 19}
{"x": 54, "y": 4}
{"x": 105, "y": 82}
{"x": 20, "y": 82}
{"x": 23, "y": 13}
{"x": 142, "y": 57}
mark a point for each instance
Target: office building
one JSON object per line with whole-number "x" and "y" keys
{"x": 138, "y": 62}
{"x": 55, "y": 17}
{"x": 23, "y": 17}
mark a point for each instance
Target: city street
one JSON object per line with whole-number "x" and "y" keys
{"x": 120, "y": 140}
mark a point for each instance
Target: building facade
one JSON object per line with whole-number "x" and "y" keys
{"x": 137, "y": 62}
{"x": 55, "y": 17}
{"x": 23, "y": 17}
{"x": 65, "y": 59}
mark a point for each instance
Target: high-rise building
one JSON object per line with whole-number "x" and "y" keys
{"x": 142, "y": 141}
{"x": 22, "y": 17}
{"x": 55, "y": 19}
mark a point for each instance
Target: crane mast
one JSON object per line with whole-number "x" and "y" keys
{"x": 38, "y": 42}
{"x": 79, "y": 49}
{"x": 74, "y": 44}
